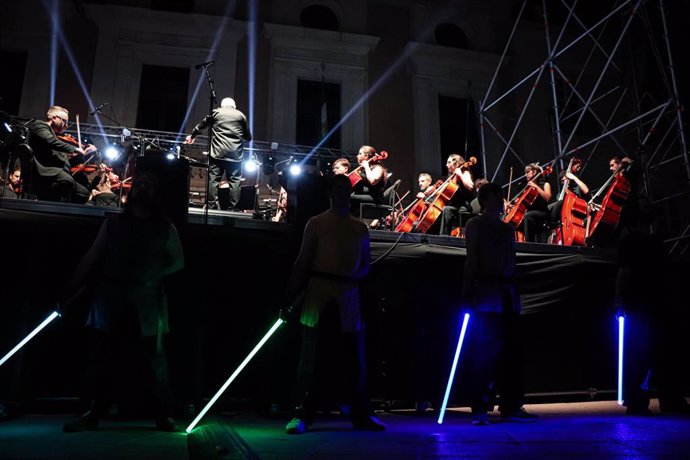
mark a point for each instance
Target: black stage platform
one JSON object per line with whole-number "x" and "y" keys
{"x": 231, "y": 290}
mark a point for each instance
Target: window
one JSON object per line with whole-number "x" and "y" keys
{"x": 318, "y": 17}
{"x": 162, "y": 97}
{"x": 318, "y": 111}
{"x": 450, "y": 35}
{"x": 456, "y": 131}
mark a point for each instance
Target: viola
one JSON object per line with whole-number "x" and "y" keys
{"x": 442, "y": 197}
{"x": 521, "y": 203}
{"x": 355, "y": 175}
{"x": 414, "y": 211}
{"x": 606, "y": 220}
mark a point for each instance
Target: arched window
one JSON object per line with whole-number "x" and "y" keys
{"x": 319, "y": 17}
{"x": 450, "y": 35}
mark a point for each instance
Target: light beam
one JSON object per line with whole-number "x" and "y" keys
{"x": 621, "y": 342}
{"x": 31, "y": 335}
{"x": 451, "y": 377}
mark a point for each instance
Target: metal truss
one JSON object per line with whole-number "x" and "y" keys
{"x": 598, "y": 109}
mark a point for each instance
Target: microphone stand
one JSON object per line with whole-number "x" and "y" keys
{"x": 211, "y": 103}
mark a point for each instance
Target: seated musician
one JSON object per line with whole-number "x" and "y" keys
{"x": 106, "y": 191}
{"x": 11, "y": 188}
{"x": 538, "y": 212}
{"x": 341, "y": 166}
{"x": 425, "y": 185}
{"x": 629, "y": 168}
{"x": 575, "y": 185}
{"x": 460, "y": 202}
{"x": 53, "y": 178}
{"x": 373, "y": 174}
{"x": 474, "y": 204}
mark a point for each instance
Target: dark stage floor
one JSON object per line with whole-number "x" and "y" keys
{"x": 575, "y": 430}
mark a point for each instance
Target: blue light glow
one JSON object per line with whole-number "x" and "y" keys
{"x": 621, "y": 341}
{"x": 53, "y": 49}
{"x": 111, "y": 152}
{"x": 251, "y": 165}
{"x": 295, "y": 169}
{"x": 234, "y": 375}
{"x": 31, "y": 335}
{"x": 453, "y": 368}
{"x": 251, "y": 58}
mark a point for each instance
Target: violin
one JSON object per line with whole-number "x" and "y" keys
{"x": 355, "y": 175}
{"x": 520, "y": 204}
{"x": 442, "y": 197}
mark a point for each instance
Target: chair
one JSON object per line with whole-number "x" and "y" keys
{"x": 371, "y": 211}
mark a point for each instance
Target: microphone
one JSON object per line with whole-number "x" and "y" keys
{"x": 205, "y": 64}
{"x": 98, "y": 109}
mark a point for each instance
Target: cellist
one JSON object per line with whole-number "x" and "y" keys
{"x": 373, "y": 179}
{"x": 425, "y": 186}
{"x": 538, "y": 211}
{"x": 460, "y": 203}
{"x": 574, "y": 184}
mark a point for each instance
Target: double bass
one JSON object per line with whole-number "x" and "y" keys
{"x": 355, "y": 175}
{"x": 441, "y": 198}
{"x": 603, "y": 225}
{"x": 520, "y": 204}
{"x": 574, "y": 214}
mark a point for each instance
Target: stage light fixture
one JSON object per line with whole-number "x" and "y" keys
{"x": 269, "y": 165}
{"x": 295, "y": 169}
{"x": 251, "y": 165}
{"x": 7, "y": 127}
{"x": 111, "y": 152}
{"x": 451, "y": 377}
{"x": 171, "y": 156}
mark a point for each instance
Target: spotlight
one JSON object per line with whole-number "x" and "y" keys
{"x": 295, "y": 169}
{"x": 251, "y": 165}
{"x": 171, "y": 156}
{"x": 112, "y": 152}
{"x": 8, "y": 127}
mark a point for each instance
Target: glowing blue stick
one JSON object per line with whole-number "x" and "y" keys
{"x": 227, "y": 383}
{"x": 45, "y": 322}
{"x": 451, "y": 377}
{"x": 621, "y": 340}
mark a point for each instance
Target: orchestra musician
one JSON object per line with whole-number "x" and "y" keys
{"x": 538, "y": 211}
{"x": 11, "y": 188}
{"x": 341, "y": 166}
{"x": 373, "y": 179}
{"x": 460, "y": 202}
{"x": 425, "y": 185}
{"x": 575, "y": 185}
{"x": 53, "y": 180}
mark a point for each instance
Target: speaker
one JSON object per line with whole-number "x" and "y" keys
{"x": 173, "y": 180}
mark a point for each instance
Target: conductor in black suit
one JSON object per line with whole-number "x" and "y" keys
{"x": 229, "y": 131}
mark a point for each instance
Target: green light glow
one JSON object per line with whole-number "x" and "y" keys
{"x": 234, "y": 375}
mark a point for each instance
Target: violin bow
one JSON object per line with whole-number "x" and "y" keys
{"x": 78, "y": 130}
{"x": 510, "y": 182}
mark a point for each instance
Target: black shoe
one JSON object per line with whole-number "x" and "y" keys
{"x": 520, "y": 415}
{"x": 369, "y": 423}
{"x": 85, "y": 423}
{"x": 168, "y": 424}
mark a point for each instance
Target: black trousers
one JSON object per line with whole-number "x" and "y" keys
{"x": 61, "y": 187}
{"x": 110, "y": 354}
{"x": 324, "y": 349}
{"x": 533, "y": 223}
{"x": 233, "y": 174}
{"x": 494, "y": 361}
{"x": 452, "y": 216}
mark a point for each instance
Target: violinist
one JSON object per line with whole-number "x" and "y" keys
{"x": 460, "y": 202}
{"x": 53, "y": 179}
{"x": 574, "y": 184}
{"x": 341, "y": 166}
{"x": 102, "y": 193}
{"x": 373, "y": 179}
{"x": 538, "y": 212}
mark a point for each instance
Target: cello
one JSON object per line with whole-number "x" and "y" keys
{"x": 574, "y": 213}
{"x": 441, "y": 198}
{"x": 526, "y": 197}
{"x": 355, "y": 175}
{"x": 414, "y": 211}
{"x": 604, "y": 223}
